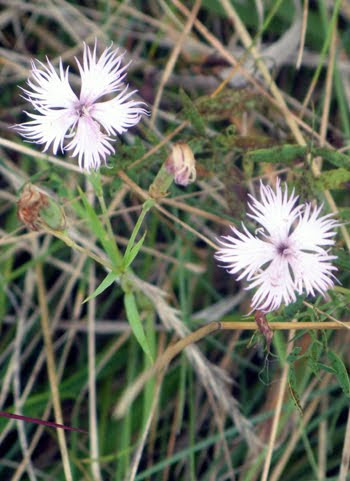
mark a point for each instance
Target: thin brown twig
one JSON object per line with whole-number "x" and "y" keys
{"x": 302, "y": 34}
{"x": 329, "y": 316}
{"x": 327, "y": 97}
{"x": 196, "y": 211}
{"x": 161, "y": 144}
{"x": 172, "y": 59}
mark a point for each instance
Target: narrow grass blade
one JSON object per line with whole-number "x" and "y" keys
{"x": 135, "y": 322}
{"x": 107, "y": 281}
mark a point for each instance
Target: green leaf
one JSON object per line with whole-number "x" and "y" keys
{"x": 325, "y": 367}
{"x": 132, "y": 253}
{"x": 282, "y": 154}
{"x": 314, "y": 353}
{"x": 342, "y": 260}
{"x": 332, "y": 179}
{"x": 332, "y": 156}
{"x": 107, "y": 281}
{"x": 132, "y": 249}
{"x": 133, "y": 316}
{"x": 191, "y": 113}
{"x": 344, "y": 213}
{"x": 292, "y": 309}
{"x": 289, "y": 153}
{"x": 292, "y": 384}
{"x": 100, "y": 232}
{"x": 340, "y": 371}
{"x": 294, "y": 355}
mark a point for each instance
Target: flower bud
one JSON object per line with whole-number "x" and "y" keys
{"x": 37, "y": 210}
{"x": 181, "y": 163}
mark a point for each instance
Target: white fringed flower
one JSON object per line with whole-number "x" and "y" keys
{"x": 81, "y": 125}
{"x": 289, "y": 258}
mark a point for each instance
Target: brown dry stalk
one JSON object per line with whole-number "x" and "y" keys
{"x": 277, "y": 414}
{"x": 172, "y": 59}
{"x": 174, "y": 349}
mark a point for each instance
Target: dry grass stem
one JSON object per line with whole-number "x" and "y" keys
{"x": 345, "y": 460}
{"x": 172, "y": 59}
{"x": 93, "y": 423}
{"x": 277, "y": 413}
{"x": 51, "y": 367}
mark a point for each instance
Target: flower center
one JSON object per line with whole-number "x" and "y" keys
{"x": 81, "y": 110}
{"x": 283, "y": 249}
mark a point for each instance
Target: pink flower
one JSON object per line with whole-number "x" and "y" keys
{"x": 81, "y": 124}
{"x": 289, "y": 257}
{"x": 181, "y": 163}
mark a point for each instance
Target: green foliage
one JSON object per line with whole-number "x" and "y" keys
{"x": 342, "y": 260}
{"x": 292, "y": 384}
{"x": 191, "y": 113}
{"x": 294, "y": 355}
{"x": 227, "y": 103}
{"x": 133, "y": 248}
{"x": 287, "y": 154}
{"x": 133, "y": 316}
{"x": 332, "y": 179}
{"x": 110, "y": 278}
{"x": 125, "y": 156}
{"x": 238, "y": 135}
{"x": 101, "y": 233}
{"x": 314, "y": 354}
{"x": 340, "y": 371}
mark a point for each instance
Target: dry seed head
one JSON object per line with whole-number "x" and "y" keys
{"x": 37, "y": 210}
{"x": 29, "y": 205}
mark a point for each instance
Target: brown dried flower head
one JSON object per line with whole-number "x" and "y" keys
{"x": 29, "y": 205}
{"x": 37, "y": 210}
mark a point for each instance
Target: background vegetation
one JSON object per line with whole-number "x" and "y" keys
{"x": 256, "y": 89}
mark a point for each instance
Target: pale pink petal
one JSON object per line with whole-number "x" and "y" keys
{"x": 116, "y": 115}
{"x": 49, "y": 128}
{"x": 313, "y": 273}
{"x": 275, "y": 212}
{"x": 102, "y": 76}
{"x": 90, "y": 144}
{"x": 244, "y": 252}
{"x": 48, "y": 89}
{"x": 312, "y": 232}
{"x": 275, "y": 286}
